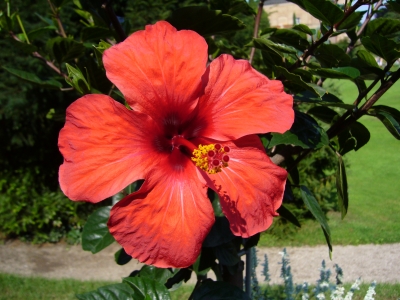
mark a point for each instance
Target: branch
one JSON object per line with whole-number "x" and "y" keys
{"x": 38, "y": 55}
{"x": 56, "y": 15}
{"x": 325, "y": 37}
{"x": 256, "y": 27}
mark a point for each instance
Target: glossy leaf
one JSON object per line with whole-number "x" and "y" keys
{"x": 204, "y": 21}
{"x": 352, "y": 20}
{"x": 323, "y": 10}
{"x": 323, "y": 113}
{"x": 382, "y": 46}
{"x": 65, "y": 49}
{"x": 366, "y": 63}
{"x": 145, "y": 288}
{"x": 268, "y": 46}
{"x": 219, "y": 290}
{"x": 337, "y": 73}
{"x": 353, "y": 138}
{"x": 157, "y": 274}
{"x": 291, "y": 38}
{"x": 40, "y": 32}
{"x": 389, "y": 116}
{"x": 314, "y": 207}
{"x": 110, "y": 292}
{"x": 288, "y": 215}
{"x": 296, "y": 80}
{"x": 341, "y": 186}
{"x": 382, "y": 26}
{"x": 32, "y": 78}
{"x": 25, "y": 47}
{"x": 332, "y": 56}
{"x": 95, "y": 234}
{"x": 303, "y": 28}
{"x": 305, "y": 132}
{"x": 121, "y": 257}
{"x": 219, "y": 234}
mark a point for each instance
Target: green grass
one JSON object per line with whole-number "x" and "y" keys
{"x": 36, "y": 288}
{"x": 373, "y": 179}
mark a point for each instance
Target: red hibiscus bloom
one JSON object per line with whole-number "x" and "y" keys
{"x": 191, "y": 127}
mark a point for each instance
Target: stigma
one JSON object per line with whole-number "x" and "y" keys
{"x": 211, "y": 158}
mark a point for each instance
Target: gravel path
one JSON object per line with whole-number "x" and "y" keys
{"x": 370, "y": 262}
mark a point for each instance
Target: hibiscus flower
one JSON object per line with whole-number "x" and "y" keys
{"x": 190, "y": 127}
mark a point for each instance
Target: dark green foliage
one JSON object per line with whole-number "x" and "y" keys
{"x": 33, "y": 212}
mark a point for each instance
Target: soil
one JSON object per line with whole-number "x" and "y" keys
{"x": 370, "y": 262}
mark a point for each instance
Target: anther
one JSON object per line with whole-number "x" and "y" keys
{"x": 211, "y": 158}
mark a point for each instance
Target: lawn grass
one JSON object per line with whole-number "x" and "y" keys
{"x": 374, "y": 188}
{"x": 36, "y": 288}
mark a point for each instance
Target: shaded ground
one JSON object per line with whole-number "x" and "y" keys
{"x": 370, "y": 262}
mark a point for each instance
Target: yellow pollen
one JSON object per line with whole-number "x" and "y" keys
{"x": 211, "y": 158}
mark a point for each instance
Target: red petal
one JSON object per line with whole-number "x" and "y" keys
{"x": 105, "y": 148}
{"x": 250, "y": 188}
{"x": 166, "y": 221}
{"x": 159, "y": 69}
{"x": 239, "y": 101}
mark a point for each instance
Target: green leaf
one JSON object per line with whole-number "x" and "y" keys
{"x": 65, "y": 49}
{"x": 341, "y": 186}
{"x": 303, "y": 28}
{"x": 296, "y": 80}
{"x": 205, "y": 261}
{"x": 219, "y": 290}
{"x": 145, "y": 287}
{"x": 314, "y": 207}
{"x": 268, "y": 46}
{"x": 219, "y": 234}
{"x": 382, "y": 26}
{"x": 352, "y": 20}
{"x": 382, "y": 46}
{"x": 121, "y": 257}
{"x": 305, "y": 132}
{"x": 291, "y": 38}
{"x": 110, "y": 292}
{"x": 251, "y": 241}
{"x": 77, "y": 80}
{"x": 389, "y": 116}
{"x": 337, "y": 73}
{"x": 49, "y": 83}
{"x": 323, "y": 10}
{"x": 393, "y": 5}
{"x": 227, "y": 254}
{"x": 332, "y": 56}
{"x": 366, "y": 63}
{"x": 326, "y": 100}
{"x": 157, "y": 274}
{"x": 38, "y": 33}
{"x": 95, "y": 234}
{"x": 288, "y": 215}
{"x": 204, "y": 21}
{"x": 323, "y": 113}
{"x": 25, "y": 47}
{"x": 353, "y": 138}
{"x": 232, "y": 7}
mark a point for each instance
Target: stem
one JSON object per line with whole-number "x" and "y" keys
{"x": 362, "y": 28}
{"x": 56, "y": 15}
{"x": 256, "y": 27}
{"x": 23, "y": 29}
{"x": 114, "y": 21}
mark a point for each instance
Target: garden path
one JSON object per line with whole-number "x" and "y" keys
{"x": 370, "y": 262}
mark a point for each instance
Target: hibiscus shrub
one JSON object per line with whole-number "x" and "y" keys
{"x": 169, "y": 94}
